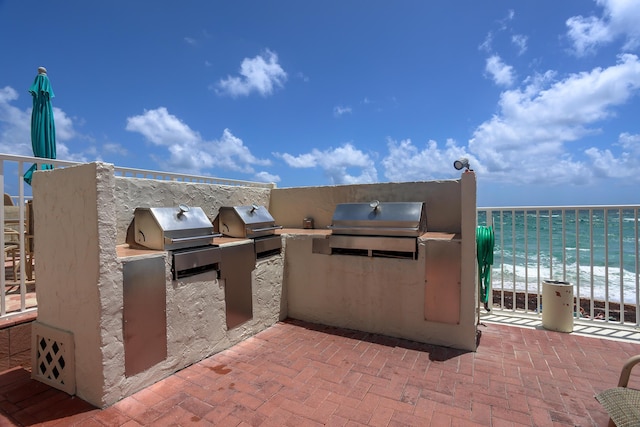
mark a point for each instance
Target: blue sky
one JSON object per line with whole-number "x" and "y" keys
{"x": 542, "y": 97}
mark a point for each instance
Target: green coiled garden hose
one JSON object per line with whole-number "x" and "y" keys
{"x": 485, "y": 242}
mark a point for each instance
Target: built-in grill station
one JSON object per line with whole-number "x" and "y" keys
{"x": 239, "y": 260}
{"x": 186, "y": 232}
{"x": 378, "y": 229}
{"x": 250, "y": 222}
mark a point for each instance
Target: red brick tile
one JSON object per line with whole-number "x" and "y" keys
{"x": 406, "y": 419}
{"x": 148, "y": 397}
{"x": 324, "y": 411}
{"x": 341, "y": 399}
{"x": 350, "y": 413}
{"x": 300, "y": 374}
{"x": 137, "y": 411}
{"x": 297, "y": 421}
{"x": 196, "y": 406}
{"x": 317, "y": 397}
{"x": 511, "y": 415}
{"x": 111, "y": 417}
{"x": 381, "y": 416}
{"x": 4, "y": 343}
{"x": 247, "y": 415}
{"x": 337, "y": 421}
{"x": 20, "y": 339}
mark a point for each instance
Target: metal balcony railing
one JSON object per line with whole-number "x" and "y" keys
{"x": 595, "y": 248}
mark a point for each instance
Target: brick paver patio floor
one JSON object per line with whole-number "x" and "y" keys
{"x": 301, "y": 374}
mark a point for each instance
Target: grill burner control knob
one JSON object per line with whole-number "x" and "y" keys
{"x": 375, "y": 205}
{"x": 183, "y": 208}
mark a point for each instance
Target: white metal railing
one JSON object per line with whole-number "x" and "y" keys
{"x": 12, "y": 169}
{"x": 596, "y": 248}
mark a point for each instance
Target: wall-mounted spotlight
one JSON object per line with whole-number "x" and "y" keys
{"x": 462, "y": 162}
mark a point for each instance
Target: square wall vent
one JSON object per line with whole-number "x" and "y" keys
{"x": 52, "y": 357}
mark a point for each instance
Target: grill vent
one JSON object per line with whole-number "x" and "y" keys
{"x": 53, "y": 360}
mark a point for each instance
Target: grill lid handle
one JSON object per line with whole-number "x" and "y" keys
{"x": 375, "y": 205}
{"x": 190, "y": 238}
{"x": 183, "y": 208}
{"x": 256, "y": 230}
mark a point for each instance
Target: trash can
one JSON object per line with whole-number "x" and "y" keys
{"x": 557, "y": 306}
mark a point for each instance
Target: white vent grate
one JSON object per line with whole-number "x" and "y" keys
{"x": 52, "y": 357}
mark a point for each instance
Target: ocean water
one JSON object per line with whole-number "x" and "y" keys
{"x": 590, "y": 248}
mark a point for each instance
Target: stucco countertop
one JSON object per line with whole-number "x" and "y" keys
{"x": 437, "y": 235}
{"x": 429, "y": 235}
{"x": 124, "y": 251}
{"x": 229, "y": 241}
{"x": 309, "y": 231}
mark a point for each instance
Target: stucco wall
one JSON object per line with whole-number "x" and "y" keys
{"x": 81, "y": 215}
{"x": 132, "y": 193}
{"x": 289, "y": 206}
{"x": 381, "y": 295}
{"x": 79, "y": 277}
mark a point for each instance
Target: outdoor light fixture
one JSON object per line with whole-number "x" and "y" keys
{"x": 462, "y": 162}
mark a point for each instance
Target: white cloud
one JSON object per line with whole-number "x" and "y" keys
{"x": 520, "y": 41}
{"x": 267, "y": 177}
{"x": 587, "y": 34}
{"x": 605, "y": 164}
{"x": 189, "y": 151}
{"x": 504, "y": 21}
{"x": 340, "y": 110}
{"x": 309, "y": 160}
{"x": 339, "y": 164}
{"x": 162, "y": 128}
{"x": 15, "y": 133}
{"x": 619, "y": 20}
{"x": 527, "y": 137}
{"x": 486, "y": 44}
{"x": 407, "y": 162}
{"x": 113, "y": 148}
{"x": 501, "y": 73}
{"x": 261, "y": 74}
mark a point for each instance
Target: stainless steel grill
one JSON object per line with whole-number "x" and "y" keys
{"x": 388, "y": 229}
{"x": 250, "y": 222}
{"x": 245, "y": 221}
{"x": 238, "y": 261}
{"x": 184, "y": 231}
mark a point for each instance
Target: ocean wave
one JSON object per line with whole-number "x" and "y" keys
{"x": 606, "y": 282}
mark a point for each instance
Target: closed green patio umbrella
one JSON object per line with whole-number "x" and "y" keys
{"x": 43, "y": 128}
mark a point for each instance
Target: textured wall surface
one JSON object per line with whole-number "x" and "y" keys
{"x": 380, "y": 295}
{"x": 132, "y": 193}
{"x": 289, "y": 206}
{"x": 79, "y": 282}
{"x": 81, "y": 216}
{"x": 81, "y": 287}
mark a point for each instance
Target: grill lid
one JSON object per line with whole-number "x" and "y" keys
{"x": 245, "y": 221}
{"x": 380, "y": 219}
{"x": 169, "y": 228}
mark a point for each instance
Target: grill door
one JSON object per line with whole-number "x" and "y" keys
{"x": 144, "y": 314}
{"x": 238, "y": 261}
{"x": 442, "y": 285}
